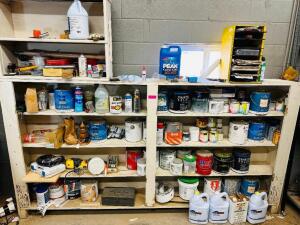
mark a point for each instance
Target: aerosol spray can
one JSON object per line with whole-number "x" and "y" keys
{"x": 128, "y": 103}
{"x": 82, "y": 66}
{"x": 137, "y": 101}
{"x": 78, "y": 96}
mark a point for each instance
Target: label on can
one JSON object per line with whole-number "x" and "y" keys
{"x": 97, "y": 131}
{"x": 165, "y": 159}
{"x": 115, "y": 104}
{"x": 128, "y": 103}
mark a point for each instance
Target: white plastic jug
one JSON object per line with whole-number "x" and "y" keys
{"x": 258, "y": 206}
{"x": 78, "y": 21}
{"x": 199, "y": 208}
{"x": 101, "y": 99}
{"x": 219, "y": 207}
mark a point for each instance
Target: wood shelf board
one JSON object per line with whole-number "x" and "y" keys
{"x": 197, "y": 114}
{"x": 109, "y": 143}
{"x": 255, "y": 169}
{"x": 57, "y": 113}
{"x": 176, "y": 202}
{"x": 50, "y": 40}
{"x": 32, "y": 177}
{"x": 77, "y": 204}
{"x": 224, "y": 143}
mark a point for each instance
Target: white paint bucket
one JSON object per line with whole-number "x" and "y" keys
{"x": 133, "y": 131}
{"x": 187, "y": 187}
{"x": 56, "y": 191}
{"x": 238, "y": 132}
{"x": 141, "y": 167}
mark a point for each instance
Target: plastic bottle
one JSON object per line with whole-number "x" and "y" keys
{"x": 101, "y": 99}
{"x": 199, "y": 208}
{"x": 82, "y": 66}
{"x": 160, "y": 133}
{"x": 219, "y": 208}
{"x": 258, "y": 206}
{"x": 262, "y": 69}
{"x": 78, "y": 21}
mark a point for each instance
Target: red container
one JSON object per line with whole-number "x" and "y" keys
{"x": 132, "y": 157}
{"x": 58, "y": 62}
{"x": 204, "y": 162}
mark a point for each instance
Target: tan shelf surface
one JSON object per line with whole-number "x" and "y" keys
{"x": 255, "y": 169}
{"x": 50, "y": 40}
{"x": 57, "y": 113}
{"x": 32, "y": 177}
{"x": 176, "y": 202}
{"x": 224, "y": 143}
{"x": 197, "y": 114}
{"x": 109, "y": 143}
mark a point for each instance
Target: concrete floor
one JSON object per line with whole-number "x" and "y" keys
{"x": 139, "y": 218}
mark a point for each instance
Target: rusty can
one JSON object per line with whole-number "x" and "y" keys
{"x": 202, "y": 123}
{"x": 276, "y": 137}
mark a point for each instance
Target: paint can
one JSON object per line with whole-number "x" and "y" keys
{"x": 244, "y": 107}
{"x": 132, "y": 157}
{"x": 42, "y": 194}
{"x": 238, "y": 132}
{"x": 204, "y": 136}
{"x": 202, "y": 122}
{"x": 234, "y": 107}
{"x": 226, "y": 106}
{"x": 272, "y": 106}
{"x": 194, "y": 133}
{"x": 176, "y": 167}
{"x": 212, "y": 122}
{"x": 72, "y": 188}
{"x": 189, "y": 164}
{"x": 187, "y": 187}
{"x": 115, "y": 104}
{"x": 212, "y": 185}
{"x": 173, "y": 133}
{"x": 216, "y": 106}
{"x": 222, "y": 161}
{"x": 182, "y": 152}
{"x": 64, "y": 100}
{"x": 241, "y": 160}
{"x": 220, "y": 134}
{"x": 141, "y": 167}
{"x": 259, "y": 102}
{"x": 204, "y": 162}
{"x": 162, "y": 101}
{"x": 133, "y": 130}
{"x": 213, "y": 136}
{"x": 97, "y": 130}
{"x": 180, "y": 102}
{"x": 186, "y": 136}
{"x": 231, "y": 185}
{"x": 200, "y": 101}
{"x": 166, "y": 157}
{"x": 257, "y": 131}
{"x": 56, "y": 191}
{"x": 249, "y": 186}
{"x": 89, "y": 190}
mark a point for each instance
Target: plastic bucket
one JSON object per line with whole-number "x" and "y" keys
{"x": 187, "y": 187}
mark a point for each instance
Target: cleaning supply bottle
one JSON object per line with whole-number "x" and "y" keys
{"x": 258, "y": 206}
{"x": 101, "y": 99}
{"x": 218, "y": 208}
{"x": 78, "y": 21}
{"x": 199, "y": 208}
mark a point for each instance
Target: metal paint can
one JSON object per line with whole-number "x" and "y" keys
{"x": 204, "y": 162}
{"x": 257, "y": 131}
{"x": 173, "y": 133}
{"x": 234, "y": 107}
{"x": 204, "y": 136}
{"x": 186, "y": 136}
{"x": 244, "y": 107}
{"x": 133, "y": 130}
{"x": 162, "y": 101}
{"x": 115, "y": 104}
{"x": 72, "y": 188}
{"x": 241, "y": 160}
{"x": 213, "y": 136}
{"x": 222, "y": 161}
{"x": 180, "y": 102}
{"x": 56, "y": 191}
{"x": 200, "y": 101}
{"x": 238, "y": 132}
{"x": 97, "y": 130}
{"x": 132, "y": 156}
{"x": 202, "y": 123}
{"x": 231, "y": 185}
{"x": 166, "y": 157}
{"x": 259, "y": 102}
{"x": 42, "y": 194}
{"x": 249, "y": 186}
{"x": 212, "y": 185}
{"x": 176, "y": 167}
{"x": 64, "y": 100}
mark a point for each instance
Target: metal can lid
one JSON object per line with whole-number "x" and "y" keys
{"x": 205, "y": 153}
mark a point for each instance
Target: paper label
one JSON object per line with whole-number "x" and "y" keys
{"x": 264, "y": 103}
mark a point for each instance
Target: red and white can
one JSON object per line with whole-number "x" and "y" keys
{"x": 132, "y": 157}
{"x": 204, "y": 162}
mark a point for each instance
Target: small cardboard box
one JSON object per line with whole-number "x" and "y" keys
{"x": 238, "y": 208}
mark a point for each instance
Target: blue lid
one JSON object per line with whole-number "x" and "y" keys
{"x": 41, "y": 188}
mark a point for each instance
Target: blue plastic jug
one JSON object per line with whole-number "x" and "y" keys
{"x": 169, "y": 64}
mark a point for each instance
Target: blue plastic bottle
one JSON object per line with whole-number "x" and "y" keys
{"x": 169, "y": 64}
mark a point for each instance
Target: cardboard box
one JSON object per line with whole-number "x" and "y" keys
{"x": 238, "y": 208}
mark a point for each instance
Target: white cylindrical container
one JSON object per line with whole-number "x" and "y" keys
{"x": 133, "y": 131}
{"x": 141, "y": 167}
{"x": 238, "y": 132}
{"x": 176, "y": 167}
{"x": 187, "y": 187}
{"x": 42, "y": 195}
{"x": 82, "y": 66}
{"x": 51, "y": 100}
{"x": 166, "y": 157}
{"x": 78, "y": 21}
{"x": 56, "y": 191}
{"x": 234, "y": 107}
{"x": 194, "y": 132}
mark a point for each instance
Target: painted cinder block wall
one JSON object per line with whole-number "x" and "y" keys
{"x": 140, "y": 27}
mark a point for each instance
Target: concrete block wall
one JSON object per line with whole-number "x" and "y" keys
{"x": 140, "y": 27}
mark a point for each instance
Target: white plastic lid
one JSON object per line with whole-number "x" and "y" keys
{"x": 96, "y": 165}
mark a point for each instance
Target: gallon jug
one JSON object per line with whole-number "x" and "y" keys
{"x": 169, "y": 64}
{"x": 199, "y": 208}
{"x": 78, "y": 21}
{"x": 258, "y": 206}
{"x": 101, "y": 99}
{"x": 219, "y": 207}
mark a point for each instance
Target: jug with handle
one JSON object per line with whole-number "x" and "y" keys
{"x": 219, "y": 207}
{"x": 199, "y": 208}
{"x": 258, "y": 206}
